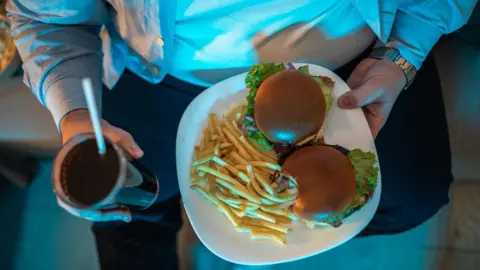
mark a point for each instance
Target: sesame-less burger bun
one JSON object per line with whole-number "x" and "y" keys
{"x": 289, "y": 106}
{"x": 325, "y": 178}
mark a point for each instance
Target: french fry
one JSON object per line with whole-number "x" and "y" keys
{"x": 231, "y": 128}
{"x": 216, "y": 150}
{"x": 265, "y": 184}
{"x": 276, "y": 211}
{"x": 238, "y": 212}
{"x": 250, "y": 188}
{"x": 206, "y": 152}
{"x": 219, "y": 175}
{"x": 241, "y": 191}
{"x": 221, "y": 169}
{"x": 263, "y": 215}
{"x": 211, "y": 183}
{"x": 258, "y": 189}
{"x": 278, "y": 198}
{"x": 205, "y": 193}
{"x": 225, "y": 145}
{"x": 239, "y": 115}
{"x": 247, "y": 228}
{"x": 197, "y": 179}
{"x": 237, "y": 158}
{"x": 201, "y": 147}
{"x": 272, "y": 166}
{"x": 232, "y": 169}
{"x": 223, "y": 190}
{"x": 202, "y": 161}
{"x": 241, "y": 150}
{"x": 266, "y": 201}
{"x": 218, "y": 128}
{"x": 228, "y": 199}
{"x": 228, "y": 212}
{"x": 250, "y": 172}
{"x": 211, "y": 124}
{"x": 282, "y": 219}
{"x": 235, "y": 127}
{"x": 254, "y": 151}
{"x": 274, "y": 226}
{"x": 230, "y": 113}
{"x": 206, "y": 137}
{"x": 232, "y": 205}
{"x": 196, "y": 151}
{"x": 241, "y": 167}
{"x": 267, "y": 235}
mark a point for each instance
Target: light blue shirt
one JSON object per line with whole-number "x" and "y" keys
{"x": 63, "y": 41}
{"x": 212, "y": 46}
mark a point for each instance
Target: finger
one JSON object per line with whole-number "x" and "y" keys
{"x": 100, "y": 215}
{"x": 359, "y": 73}
{"x": 363, "y": 95}
{"x": 96, "y": 216}
{"x": 117, "y": 214}
{"x": 121, "y": 213}
{"x": 375, "y": 121}
{"x": 126, "y": 141}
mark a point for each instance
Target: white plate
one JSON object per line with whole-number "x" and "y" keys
{"x": 347, "y": 128}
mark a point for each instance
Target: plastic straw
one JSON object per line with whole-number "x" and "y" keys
{"x": 94, "y": 116}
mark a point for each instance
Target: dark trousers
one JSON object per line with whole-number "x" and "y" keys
{"x": 413, "y": 149}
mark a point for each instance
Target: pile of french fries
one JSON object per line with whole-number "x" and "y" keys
{"x": 241, "y": 180}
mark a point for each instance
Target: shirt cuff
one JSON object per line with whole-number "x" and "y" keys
{"x": 66, "y": 95}
{"x": 413, "y": 37}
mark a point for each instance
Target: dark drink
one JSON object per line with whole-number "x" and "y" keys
{"x": 82, "y": 178}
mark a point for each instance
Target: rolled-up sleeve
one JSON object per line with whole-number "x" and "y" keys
{"x": 419, "y": 24}
{"x": 59, "y": 45}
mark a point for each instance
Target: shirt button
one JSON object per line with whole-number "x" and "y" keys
{"x": 159, "y": 41}
{"x": 155, "y": 70}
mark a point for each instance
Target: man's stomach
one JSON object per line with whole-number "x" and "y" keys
{"x": 208, "y": 50}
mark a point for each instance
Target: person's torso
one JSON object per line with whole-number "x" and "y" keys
{"x": 217, "y": 39}
{"x": 205, "y": 41}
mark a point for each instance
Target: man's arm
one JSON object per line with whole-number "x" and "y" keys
{"x": 59, "y": 44}
{"x": 419, "y": 24}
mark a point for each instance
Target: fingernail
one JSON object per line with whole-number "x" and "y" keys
{"x": 345, "y": 101}
{"x": 136, "y": 151}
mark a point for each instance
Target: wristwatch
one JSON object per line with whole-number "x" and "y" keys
{"x": 394, "y": 55}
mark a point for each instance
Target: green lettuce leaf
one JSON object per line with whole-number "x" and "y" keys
{"x": 365, "y": 170}
{"x": 366, "y": 177}
{"x": 304, "y": 69}
{"x": 327, "y": 92}
{"x": 255, "y": 77}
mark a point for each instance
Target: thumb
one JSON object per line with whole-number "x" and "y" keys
{"x": 120, "y": 213}
{"x": 363, "y": 95}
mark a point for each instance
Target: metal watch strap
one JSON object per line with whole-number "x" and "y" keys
{"x": 394, "y": 55}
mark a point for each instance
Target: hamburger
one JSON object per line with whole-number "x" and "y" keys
{"x": 332, "y": 181}
{"x": 285, "y": 105}
{"x": 286, "y": 110}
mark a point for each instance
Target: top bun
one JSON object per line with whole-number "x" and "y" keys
{"x": 289, "y": 106}
{"x": 325, "y": 178}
